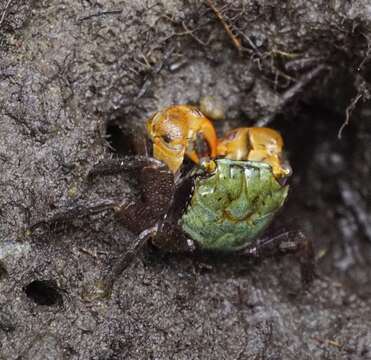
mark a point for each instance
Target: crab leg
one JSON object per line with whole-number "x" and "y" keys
{"x": 152, "y": 172}
{"x": 105, "y": 286}
{"x": 289, "y": 242}
{"x": 125, "y": 164}
{"x": 76, "y": 212}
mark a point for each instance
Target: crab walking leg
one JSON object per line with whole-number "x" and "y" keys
{"x": 106, "y": 285}
{"x": 120, "y": 206}
{"x": 125, "y": 164}
{"x": 289, "y": 242}
{"x": 77, "y": 212}
{"x": 156, "y": 184}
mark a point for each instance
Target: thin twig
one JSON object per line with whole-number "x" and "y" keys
{"x": 291, "y": 93}
{"x": 191, "y": 33}
{"x": 334, "y": 343}
{"x": 4, "y": 12}
{"x": 101, "y": 13}
{"x": 367, "y": 56}
{"x": 155, "y": 70}
{"x": 235, "y": 40}
{"x": 348, "y": 112}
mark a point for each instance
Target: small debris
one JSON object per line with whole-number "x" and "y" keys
{"x": 236, "y": 42}
{"x": 212, "y": 107}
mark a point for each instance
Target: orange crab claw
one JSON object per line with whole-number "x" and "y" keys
{"x": 255, "y": 144}
{"x": 176, "y": 131}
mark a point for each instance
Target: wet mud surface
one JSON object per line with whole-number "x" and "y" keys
{"x": 79, "y": 78}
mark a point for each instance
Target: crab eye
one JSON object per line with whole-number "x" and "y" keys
{"x": 170, "y": 143}
{"x": 166, "y": 139}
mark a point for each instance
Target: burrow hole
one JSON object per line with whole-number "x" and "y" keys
{"x": 125, "y": 140}
{"x": 44, "y": 292}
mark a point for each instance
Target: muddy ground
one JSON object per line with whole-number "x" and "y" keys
{"x": 77, "y": 77}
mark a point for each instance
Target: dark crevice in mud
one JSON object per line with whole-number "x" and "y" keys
{"x": 124, "y": 139}
{"x": 3, "y": 271}
{"x": 305, "y": 139}
{"x": 44, "y": 292}
{"x": 322, "y": 163}
{"x": 120, "y": 142}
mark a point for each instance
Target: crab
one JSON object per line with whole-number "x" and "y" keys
{"x": 200, "y": 193}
